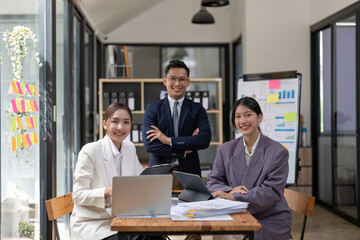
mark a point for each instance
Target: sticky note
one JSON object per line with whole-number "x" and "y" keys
{"x": 28, "y": 139}
{"x": 272, "y": 98}
{"x": 23, "y": 106}
{"x": 18, "y": 120}
{"x": 22, "y": 85}
{"x": 35, "y": 121}
{"x": 14, "y": 105}
{"x": 18, "y": 142}
{"x": 35, "y": 89}
{"x": 290, "y": 116}
{"x": 36, "y": 107}
{"x": 27, "y": 106}
{"x": 28, "y": 89}
{"x": 32, "y": 106}
{"x": 13, "y": 84}
{"x": 19, "y": 88}
{"x": 13, "y": 144}
{"x": 28, "y": 123}
{"x": 274, "y": 84}
{"x": 13, "y": 124}
{"x": 32, "y": 121}
{"x": 18, "y": 105}
{"x": 24, "y": 141}
{"x": 10, "y": 90}
{"x": 287, "y": 147}
{"x": 35, "y": 137}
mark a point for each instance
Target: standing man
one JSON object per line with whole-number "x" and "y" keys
{"x": 175, "y": 127}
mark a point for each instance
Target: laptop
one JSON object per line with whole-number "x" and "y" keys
{"x": 194, "y": 187}
{"x": 147, "y": 195}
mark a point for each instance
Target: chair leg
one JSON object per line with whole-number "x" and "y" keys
{"x": 303, "y": 228}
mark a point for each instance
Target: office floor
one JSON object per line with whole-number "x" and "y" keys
{"x": 322, "y": 225}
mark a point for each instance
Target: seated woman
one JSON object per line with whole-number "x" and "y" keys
{"x": 98, "y": 162}
{"x": 254, "y": 169}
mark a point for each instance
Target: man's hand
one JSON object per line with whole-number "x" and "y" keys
{"x": 222, "y": 194}
{"x": 240, "y": 189}
{"x": 196, "y": 132}
{"x": 155, "y": 133}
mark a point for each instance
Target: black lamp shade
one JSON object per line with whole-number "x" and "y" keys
{"x": 214, "y": 3}
{"x": 203, "y": 17}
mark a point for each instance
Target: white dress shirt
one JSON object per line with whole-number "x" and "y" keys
{"x": 247, "y": 154}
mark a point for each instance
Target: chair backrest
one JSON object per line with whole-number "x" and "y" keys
{"x": 59, "y": 206}
{"x": 301, "y": 203}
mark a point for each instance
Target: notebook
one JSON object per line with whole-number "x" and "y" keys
{"x": 194, "y": 187}
{"x": 146, "y": 195}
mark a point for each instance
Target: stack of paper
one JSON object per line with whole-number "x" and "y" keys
{"x": 209, "y": 208}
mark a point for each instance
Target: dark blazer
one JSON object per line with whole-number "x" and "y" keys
{"x": 192, "y": 116}
{"x": 265, "y": 178}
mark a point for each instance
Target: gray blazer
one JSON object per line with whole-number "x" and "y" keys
{"x": 265, "y": 178}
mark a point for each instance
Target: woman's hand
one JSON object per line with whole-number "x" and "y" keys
{"x": 108, "y": 191}
{"x": 240, "y": 189}
{"x": 222, "y": 194}
{"x": 155, "y": 133}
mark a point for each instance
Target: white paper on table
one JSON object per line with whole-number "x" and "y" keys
{"x": 226, "y": 217}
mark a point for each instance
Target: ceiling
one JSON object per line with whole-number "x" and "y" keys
{"x": 108, "y": 15}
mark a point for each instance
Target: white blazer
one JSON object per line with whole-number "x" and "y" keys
{"x": 95, "y": 169}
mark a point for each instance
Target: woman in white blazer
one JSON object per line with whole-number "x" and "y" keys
{"x": 98, "y": 162}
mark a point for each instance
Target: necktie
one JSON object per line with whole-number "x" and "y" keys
{"x": 176, "y": 118}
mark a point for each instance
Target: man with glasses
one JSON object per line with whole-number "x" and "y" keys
{"x": 175, "y": 127}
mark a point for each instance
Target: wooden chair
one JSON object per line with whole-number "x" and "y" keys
{"x": 58, "y": 207}
{"x": 300, "y": 203}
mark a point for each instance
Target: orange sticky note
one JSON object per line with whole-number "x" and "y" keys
{"x": 24, "y": 141}
{"x": 287, "y": 147}
{"x": 18, "y": 120}
{"x": 29, "y": 125}
{"x": 35, "y": 89}
{"x": 13, "y": 144}
{"x": 35, "y": 137}
{"x": 14, "y": 87}
{"x": 32, "y": 106}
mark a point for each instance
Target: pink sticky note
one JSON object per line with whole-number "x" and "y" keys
{"x": 28, "y": 89}
{"x": 28, "y": 139}
{"x": 19, "y": 88}
{"x": 32, "y": 122}
{"x": 36, "y": 107}
{"x": 13, "y": 103}
{"x": 274, "y": 84}
{"x": 23, "y": 105}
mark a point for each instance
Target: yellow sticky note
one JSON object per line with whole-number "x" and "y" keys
{"x": 273, "y": 98}
{"x": 13, "y": 124}
{"x": 290, "y": 116}
{"x": 18, "y": 141}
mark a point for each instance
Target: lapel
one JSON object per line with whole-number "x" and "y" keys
{"x": 256, "y": 164}
{"x": 238, "y": 162}
{"x": 109, "y": 163}
{"x": 185, "y": 109}
{"x": 165, "y": 108}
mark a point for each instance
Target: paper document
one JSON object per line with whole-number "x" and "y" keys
{"x": 209, "y": 208}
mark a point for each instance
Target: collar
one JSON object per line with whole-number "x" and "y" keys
{"x": 114, "y": 150}
{"x": 253, "y": 147}
{"x": 171, "y": 101}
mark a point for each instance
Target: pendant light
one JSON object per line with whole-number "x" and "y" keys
{"x": 203, "y": 17}
{"x": 214, "y": 3}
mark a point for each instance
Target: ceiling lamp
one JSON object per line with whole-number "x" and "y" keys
{"x": 214, "y": 3}
{"x": 203, "y": 17}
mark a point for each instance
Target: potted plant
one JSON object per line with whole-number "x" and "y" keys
{"x": 26, "y": 230}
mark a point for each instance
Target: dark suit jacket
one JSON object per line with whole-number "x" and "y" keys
{"x": 192, "y": 116}
{"x": 265, "y": 178}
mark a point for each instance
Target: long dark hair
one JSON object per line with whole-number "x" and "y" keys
{"x": 250, "y": 103}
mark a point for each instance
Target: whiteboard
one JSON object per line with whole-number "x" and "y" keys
{"x": 279, "y": 100}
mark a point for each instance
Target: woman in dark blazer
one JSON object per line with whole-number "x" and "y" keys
{"x": 254, "y": 169}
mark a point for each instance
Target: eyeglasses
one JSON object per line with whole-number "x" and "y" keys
{"x": 181, "y": 80}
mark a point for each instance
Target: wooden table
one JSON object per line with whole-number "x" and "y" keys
{"x": 243, "y": 223}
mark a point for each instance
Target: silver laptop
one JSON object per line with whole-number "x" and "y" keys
{"x": 145, "y": 195}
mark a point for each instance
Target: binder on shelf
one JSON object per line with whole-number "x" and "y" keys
{"x": 197, "y": 97}
{"x": 122, "y": 97}
{"x": 131, "y": 100}
{"x": 106, "y": 100}
{"x": 114, "y": 97}
{"x": 205, "y": 99}
{"x": 135, "y": 133}
{"x": 140, "y": 133}
{"x": 189, "y": 95}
